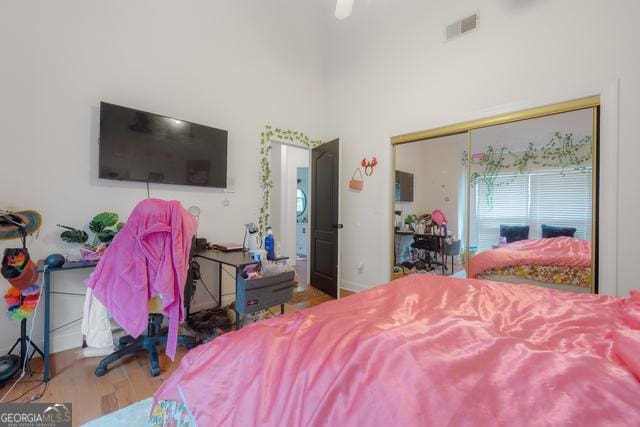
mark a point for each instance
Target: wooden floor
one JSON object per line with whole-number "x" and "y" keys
{"x": 127, "y": 382}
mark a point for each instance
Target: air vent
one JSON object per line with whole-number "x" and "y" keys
{"x": 462, "y": 26}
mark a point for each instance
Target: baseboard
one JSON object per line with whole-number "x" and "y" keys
{"x": 353, "y": 286}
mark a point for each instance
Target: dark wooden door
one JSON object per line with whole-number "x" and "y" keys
{"x": 324, "y": 217}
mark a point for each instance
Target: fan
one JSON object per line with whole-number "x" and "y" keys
{"x": 343, "y": 8}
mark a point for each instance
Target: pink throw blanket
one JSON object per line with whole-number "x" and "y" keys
{"x": 149, "y": 256}
{"x": 424, "y": 350}
{"x": 565, "y": 251}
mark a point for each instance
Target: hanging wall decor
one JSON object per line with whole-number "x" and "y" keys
{"x": 368, "y": 165}
{"x": 354, "y": 182}
{"x": 561, "y": 153}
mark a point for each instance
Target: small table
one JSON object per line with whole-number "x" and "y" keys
{"x": 69, "y": 265}
{"x": 237, "y": 260}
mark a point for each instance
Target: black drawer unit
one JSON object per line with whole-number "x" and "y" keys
{"x": 259, "y": 294}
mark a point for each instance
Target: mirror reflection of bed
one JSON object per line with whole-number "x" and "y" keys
{"x": 531, "y": 202}
{"x": 517, "y": 197}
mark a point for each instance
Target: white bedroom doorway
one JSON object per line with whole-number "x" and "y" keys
{"x": 302, "y": 223}
{"x": 290, "y": 205}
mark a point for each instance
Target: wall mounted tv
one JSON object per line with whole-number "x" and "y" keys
{"x": 140, "y": 146}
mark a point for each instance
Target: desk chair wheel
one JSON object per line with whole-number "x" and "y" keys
{"x": 100, "y": 371}
{"x": 155, "y": 371}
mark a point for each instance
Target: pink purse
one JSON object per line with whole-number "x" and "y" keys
{"x": 354, "y": 183}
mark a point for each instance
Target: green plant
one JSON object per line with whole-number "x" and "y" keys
{"x": 563, "y": 152}
{"x": 521, "y": 162}
{"x": 492, "y": 163}
{"x": 266, "y": 137}
{"x": 410, "y": 219}
{"x": 104, "y": 227}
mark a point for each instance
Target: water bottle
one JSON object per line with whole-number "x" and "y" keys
{"x": 269, "y": 245}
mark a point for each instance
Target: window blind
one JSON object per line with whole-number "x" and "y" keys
{"x": 534, "y": 199}
{"x": 563, "y": 201}
{"x": 509, "y": 205}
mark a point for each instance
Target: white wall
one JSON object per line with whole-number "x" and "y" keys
{"x": 391, "y": 72}
{"x": 235, "y": 65}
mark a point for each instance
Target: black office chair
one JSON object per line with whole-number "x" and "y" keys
{"x": 428, "y": 247}
{"x": 155, "y": 336}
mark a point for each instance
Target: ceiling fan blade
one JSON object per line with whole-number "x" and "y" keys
{"x": 343, "y": 8}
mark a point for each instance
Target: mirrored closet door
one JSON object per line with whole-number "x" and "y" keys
{"x": 510, "y": 198}
{"x": 531, "y": 201}
{"x": 429, "y": 205}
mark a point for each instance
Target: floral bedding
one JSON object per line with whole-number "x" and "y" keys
{"x": 558, "y": 274}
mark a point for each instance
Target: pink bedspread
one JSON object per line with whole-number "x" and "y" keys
{"x": 424, "y": 350}
{"x": 554, "y": 251}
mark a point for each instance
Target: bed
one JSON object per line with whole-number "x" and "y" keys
{"x": 562, "y": 263}
{"x": 421, "y": 350}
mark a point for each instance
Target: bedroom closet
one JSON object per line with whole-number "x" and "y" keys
{"x": 511, "y": 198}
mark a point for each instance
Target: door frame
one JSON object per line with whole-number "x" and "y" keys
{"x": 309, "y": 149}
{"x": 309, "y": 199}
{"x": 590, "y": 102}
{"x": 298, "y": 139}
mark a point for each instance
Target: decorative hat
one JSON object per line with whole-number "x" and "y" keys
{"x": 11, "y": 223}
{"x": 18, "y": 268}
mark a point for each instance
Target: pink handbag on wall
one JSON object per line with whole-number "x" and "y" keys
{"x": 354, "y": 183}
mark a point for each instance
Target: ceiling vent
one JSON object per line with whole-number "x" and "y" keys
{"x": 462, "y": 26}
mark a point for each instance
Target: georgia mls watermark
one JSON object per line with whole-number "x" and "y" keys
{"x": 35, "y": 414}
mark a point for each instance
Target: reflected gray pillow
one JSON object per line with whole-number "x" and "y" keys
{"x": 549, "y": 231}
{"x": 513, "y": 233}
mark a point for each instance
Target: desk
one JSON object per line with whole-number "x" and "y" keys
{"x": 413, "y": 233}
{"x": 237, "y": 260}
{"x": 70, "y": 265}
{"x": 233, "y": 259}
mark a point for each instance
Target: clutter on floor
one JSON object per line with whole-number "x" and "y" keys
{"x": 210, "y": 323}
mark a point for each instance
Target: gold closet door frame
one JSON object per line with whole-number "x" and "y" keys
{"x": 591, "y": 102}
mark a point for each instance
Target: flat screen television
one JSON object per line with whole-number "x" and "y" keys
{"x": 404, "y": 186}
{"x": 140, "y": 146}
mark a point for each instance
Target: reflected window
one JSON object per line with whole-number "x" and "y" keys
{"x": 301, "y": 202}
{"x": 551, "y": 198}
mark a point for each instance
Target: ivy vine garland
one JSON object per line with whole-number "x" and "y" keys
{"x": 266, "y": 136}
{"x": 563, "y": 152}
{"x": 560, "y": 152}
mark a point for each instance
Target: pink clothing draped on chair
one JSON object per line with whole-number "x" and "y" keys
{"x": 148, "y": 257}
